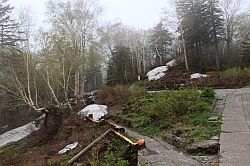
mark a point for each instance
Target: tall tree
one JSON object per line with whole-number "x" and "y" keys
{"x": 234, "y": 17}
{"x": 74, "y": 23}
{"x": 216, "y": 31}
{"x": 93, "y": 69}
{"x": 120, "y": 67}
{"x": 245, "y": 51}
{"x": 161, "y": 41}
{"x": 8, "y": 26}
{"x": 200, "y": 25}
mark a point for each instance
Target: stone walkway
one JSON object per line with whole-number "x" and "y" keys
{"x": 159, "y": 153}
{"x": 235, "y": 136}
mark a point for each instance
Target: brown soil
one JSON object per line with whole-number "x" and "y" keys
{"x": 63, "y": 128}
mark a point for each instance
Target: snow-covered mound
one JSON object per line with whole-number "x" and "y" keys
{"x": 171, "y": 63}
{"x": 198, "y": 75}
{"x": 96, "y": 110}
{"x": 159, "y": 72}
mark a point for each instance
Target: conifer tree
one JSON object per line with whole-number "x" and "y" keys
{"x": 8, "y": 27}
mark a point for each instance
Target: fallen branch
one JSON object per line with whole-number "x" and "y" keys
{"x": 103, "y": 121}
{"x": 114, "y": 129}
{"x": 140, "y": 142}
{"x": 89, "y": 147}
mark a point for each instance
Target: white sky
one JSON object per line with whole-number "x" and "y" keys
{"x": 137, "y": 13}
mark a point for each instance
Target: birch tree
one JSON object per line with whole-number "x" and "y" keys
{"x": 73, "y": 24}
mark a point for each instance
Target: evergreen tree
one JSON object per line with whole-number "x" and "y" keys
{"x": 201, "y": 25}
{"x": 93, "y": 70}
{"x": 245, "y": 55}
{"x": 120, "y": 67}
{"x": 161, "y": 41}
{"x": 8, "y": 27}
{"x": 192, "y": 18}
{"x": 215, "y": 24}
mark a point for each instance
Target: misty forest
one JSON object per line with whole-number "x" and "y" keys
{"x": 74, "y": 53}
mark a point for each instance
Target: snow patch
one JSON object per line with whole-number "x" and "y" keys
{"x": 68, "y": 147}
{"x": 159, "y": 72}
{"x": 18, "y": 133}
{"x": 96, "y": 110}
{"x": 198, "y": 75}
{"x": 171, "y": 63}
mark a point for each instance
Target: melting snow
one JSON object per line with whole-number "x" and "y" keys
{"x": 198, "y": 75}
{"x": 159, "y": 72}
{"x": 171, "y": 63}
{"x": 96, "y": 110}
{"x": 68, "y": 147}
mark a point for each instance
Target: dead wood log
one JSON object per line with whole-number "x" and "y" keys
{"x": 89, "y": 147}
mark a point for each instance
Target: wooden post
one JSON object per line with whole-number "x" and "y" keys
{"x": 89, "y": 147}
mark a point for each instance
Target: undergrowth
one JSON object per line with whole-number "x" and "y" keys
{"x": 182, "y": 113}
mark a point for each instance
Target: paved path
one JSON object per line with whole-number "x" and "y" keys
{"x": 235, "y": 136}
{"x": 159, "y": 153}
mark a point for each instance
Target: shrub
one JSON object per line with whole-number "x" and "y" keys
{"x": 163, "y": 108}
{"x": 145, "y": 121}
{"x": 185, "y": 101}
{"x": 208, "y": 93}
{"x": 232, "y": 71}
{"x": 111, "y": 160}
{"x": 66, "y": 157}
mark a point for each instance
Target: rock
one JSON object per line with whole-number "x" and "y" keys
{"x": 178, "y": 133}
{"x": 206, "y": 160}
{"x": 177, "y": 141}
{"x": 215, "y": 138}
{"x": 209, "y": 147}
{"x": 213, "y": 118}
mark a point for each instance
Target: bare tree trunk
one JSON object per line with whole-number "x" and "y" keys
{"x": 21, "y": 92}
{"x": 143, "y": 58}
{"x": 157, "y": 51}
{"x": 228, "y": 52}
{"x": 77, "y": 85}
{"x": 66, "y": 84}
{"x": 28, "y": 78}
{"x": 36, "y": 92}
{"x": 185, "y": 50}
{"x": 47, "y": 80}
